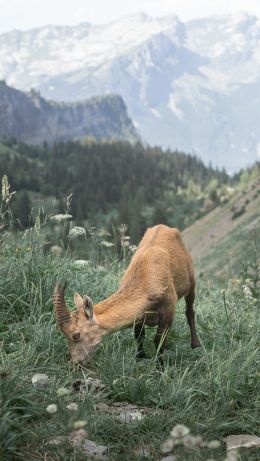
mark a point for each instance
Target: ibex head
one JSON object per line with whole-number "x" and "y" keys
{"x": 82, "y": 332}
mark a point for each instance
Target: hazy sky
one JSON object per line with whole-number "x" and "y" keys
{"x": 25, "y": 14}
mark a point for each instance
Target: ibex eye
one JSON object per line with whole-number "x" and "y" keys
{"x": 76, "y": 335}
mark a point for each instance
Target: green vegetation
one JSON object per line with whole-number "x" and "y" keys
{"x": 228, "y": 234}
{"x": 112, "y": 183}
{"x": 212, "y": 390}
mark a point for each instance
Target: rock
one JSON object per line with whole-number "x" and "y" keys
{"x": 90, "y": 383}
{"x": 40, "y": 379}
{"x": 234, "y": 442}
{"x": 80, "y": 439}
{"x": 95, "y": 451}
{"x": 129, "y": 416}
{"x": 57, "y": 440}
{"x": 102, "y": 406}
{"x": 169, "y": 458}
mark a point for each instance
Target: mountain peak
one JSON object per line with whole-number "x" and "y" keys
{"x": 191, "y": 86}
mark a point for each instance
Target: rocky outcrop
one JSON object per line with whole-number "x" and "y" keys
{"x": 34, "y": 120}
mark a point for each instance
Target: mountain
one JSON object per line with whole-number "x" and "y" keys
{"x": 32, "y": 119}
{"x": 192, "y": 86}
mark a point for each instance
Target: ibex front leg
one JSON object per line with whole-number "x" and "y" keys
{"x": 139, "y": 336}
{"x": 164, "y": 325}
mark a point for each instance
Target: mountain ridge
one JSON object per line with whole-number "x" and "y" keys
{"x": 190, "y": 86}
{"x": 33, "y": 119}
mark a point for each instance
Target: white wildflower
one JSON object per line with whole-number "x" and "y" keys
{"x": 78, "y": 436}
{"x": 52, "y": 408}
{"x": 77, "y": 232}
{"x": 62, "y": 391}
{"x": 56, "y": 250}
{"x": 61, "y": 217}
{"x": 132, "y": 248}
{"x": 40, "y": 379}
{"x": 6, "y": 194}
{"x": 81, "y": 263}
{"x": 193, "y": 441}
{"x": 107, "y": 244}
{"x": 179, "y": 431}
{"x": 79, "y": 424}
{"x": 214, "y": 444}
{"x": 102, "y": 232}
{"x": 100, "y": 268}
{"x": 72, "y": 406}
{"x": 247, "y": 292}
{"x": 37, "y": 224}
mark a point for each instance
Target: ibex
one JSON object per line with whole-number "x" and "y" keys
{"x": 160, "y": 273}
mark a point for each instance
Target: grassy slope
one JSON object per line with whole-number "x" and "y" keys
{"x": 212, "y": 390}
{"x": 217, "y": 242}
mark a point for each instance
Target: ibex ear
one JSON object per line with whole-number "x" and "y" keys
{"x": 78, "y": 301}
{"x": 88, "y": 306}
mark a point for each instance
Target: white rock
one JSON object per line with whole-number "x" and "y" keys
{"x": 129, "y": 416}
{"x": 95, "y": 451}
{"x": 234, "y": 442}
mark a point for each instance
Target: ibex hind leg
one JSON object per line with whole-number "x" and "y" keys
{"x": 190, "y": 315}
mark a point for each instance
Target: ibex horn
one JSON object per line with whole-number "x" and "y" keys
{"x": 62, "y": 312}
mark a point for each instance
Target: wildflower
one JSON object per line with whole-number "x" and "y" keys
{"x": 72, "y": 406}
{"x": 79, "y": 424}
{"x": 40, "y": 379}
{"x": 102, "y": 232}
{"x": 52, "y": 408}
{"x": 6, "y": 194}
{"x": 107, "y": 244}
{"x": 77, "y": 232}
{"x": 180, "y": 431}
{"x": 193, "y": 441}
{"x": 37, "y": 225}
{"x": 122, "y": 229}
{"x": 56, "y": 250}
{"x": 62, "y": 391}
{"x": 132, "y": 248}
{"x": 61, "y": 217}
{"x": 78, "y": 436}
{"x": 247, "y": 292}
{"x": 214, "y": 444}
{"x": 81, "y": 263}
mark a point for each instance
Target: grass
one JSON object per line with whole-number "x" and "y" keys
{"x": 212, "y": 390}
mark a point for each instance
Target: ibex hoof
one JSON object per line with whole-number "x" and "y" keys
{"x": 195, "y": 344}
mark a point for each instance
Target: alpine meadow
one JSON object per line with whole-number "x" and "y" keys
{"x": 80, "y": 188}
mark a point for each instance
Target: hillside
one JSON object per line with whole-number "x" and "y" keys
{"x": 190, "y": 86}
{"x": 32, "y": 119}
{"x": 224, "y": 237}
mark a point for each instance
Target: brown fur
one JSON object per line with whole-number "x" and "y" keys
{"x": 160, "y": 273}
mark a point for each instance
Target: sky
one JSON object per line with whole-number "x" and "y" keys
{"x": 26, "y": 14}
